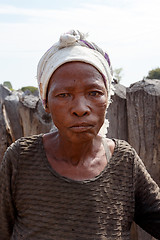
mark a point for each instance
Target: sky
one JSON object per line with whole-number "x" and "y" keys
{"x": 129, "y": 30}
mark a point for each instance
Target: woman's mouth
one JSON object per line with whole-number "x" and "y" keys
{"x": 81, "y": 127}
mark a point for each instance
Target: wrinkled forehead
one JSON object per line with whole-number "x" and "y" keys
{"x": 74, "y": 71}
{"x": 51, "y": 62}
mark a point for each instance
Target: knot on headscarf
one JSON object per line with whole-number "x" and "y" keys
{"x": 70, "y": 38}
{"x": 73, "y": 46}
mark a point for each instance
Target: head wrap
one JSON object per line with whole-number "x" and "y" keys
{"x": 72, "y": 46}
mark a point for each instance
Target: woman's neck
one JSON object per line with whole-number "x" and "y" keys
{"x": 71, "y": 152}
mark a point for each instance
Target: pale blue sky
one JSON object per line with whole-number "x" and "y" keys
{"x": 129, "y": 30}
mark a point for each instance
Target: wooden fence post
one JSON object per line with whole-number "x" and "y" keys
{"x": 143, "y": 110}
{"x": 4, "y": 137}
{"x": 20, "y": 115}
{"x": 117, "y": 114}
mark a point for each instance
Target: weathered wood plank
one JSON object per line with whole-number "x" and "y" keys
{"x": 11, "y": 104}
{"x": 4, "y": 137}
{"x": 143, "y": 110}
{"x": 117, "y": 114}
{"x": 3, "y": 134}
{"x": 34, "y": 119}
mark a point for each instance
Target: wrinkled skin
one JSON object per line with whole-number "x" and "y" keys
{"x": 77, "y": 96}
{"x": 77, "y": 100}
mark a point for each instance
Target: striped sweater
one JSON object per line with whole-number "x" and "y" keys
{"x": 36, "y": 203}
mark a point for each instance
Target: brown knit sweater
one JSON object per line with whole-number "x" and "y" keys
{"x": 36, "y": 203}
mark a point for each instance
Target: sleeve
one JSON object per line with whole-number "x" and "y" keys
{"x": 147, "y": 200}
{"x": 7, "y": 182}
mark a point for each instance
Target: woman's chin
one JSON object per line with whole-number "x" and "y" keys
{"x": 80, "y": 137}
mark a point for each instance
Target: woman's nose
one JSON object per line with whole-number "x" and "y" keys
{"x": 80, "y": 107}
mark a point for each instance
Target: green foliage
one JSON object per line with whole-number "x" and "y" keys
{"x": 117, "y": 74}
{"x": 154, "y": 73}
{"x": 30, "y": 88}
{"x": 8, "y": 85}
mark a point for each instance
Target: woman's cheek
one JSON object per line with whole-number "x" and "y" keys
{"x": 102, "y": 105}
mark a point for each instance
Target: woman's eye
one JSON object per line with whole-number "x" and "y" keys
{"x": 95, "y": 93}
{"x": 63, "y": 95}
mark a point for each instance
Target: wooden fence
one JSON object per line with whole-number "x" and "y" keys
{"x": 134, "y": 116}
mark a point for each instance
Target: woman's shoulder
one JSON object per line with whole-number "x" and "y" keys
{"x": 29, "y": 141}
{"x": 118, "y": 143}
{"x": 120, "y": 147}
{"x": 23, "y": 144}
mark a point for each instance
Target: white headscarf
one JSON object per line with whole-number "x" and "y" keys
{"x": 72, "y": 46}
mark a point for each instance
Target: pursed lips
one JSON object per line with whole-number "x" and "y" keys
{"x": 81, "y": 127}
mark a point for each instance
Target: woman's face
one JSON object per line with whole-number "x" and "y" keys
{"x": 77, "y": 100}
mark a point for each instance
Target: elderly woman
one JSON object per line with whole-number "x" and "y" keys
{"x": 74, "y": 183}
